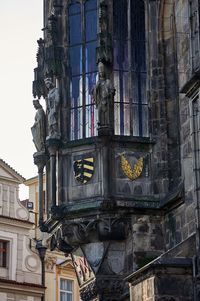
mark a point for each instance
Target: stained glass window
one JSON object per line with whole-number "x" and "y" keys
{"x": 83, "y": 69}
{"x": 131, "y": 108}
{"x": 129, "y": 69}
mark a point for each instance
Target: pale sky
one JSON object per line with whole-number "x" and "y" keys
{"x": 21, "y": 23}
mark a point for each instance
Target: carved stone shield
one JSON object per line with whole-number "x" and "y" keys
{"x": 94, "y": 253}
{"x": 84, "y": 169}
{"x": 116, "y": 261}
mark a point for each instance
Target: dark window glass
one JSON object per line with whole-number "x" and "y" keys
{"x": 76, "y": 60}
{"x": 120, "y": 27}
{"x": 90, "y": 53}
{"x": 75, "y": 32}
{"x": 74, "y": 8}
{"x": 3, "y": 253}
{"x": 91, "y": 4}
{"x": 83, "y": 69}
{"x": 131, "y": 110}
{"x": 91, "y": 25}
{"x": 76, "y": 100}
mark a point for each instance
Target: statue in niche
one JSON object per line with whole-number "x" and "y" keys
{"x": 103, "y": 97}
{"x": 52, "y": 102}
{"x": 39, "y": 128}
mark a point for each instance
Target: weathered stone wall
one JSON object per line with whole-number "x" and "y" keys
{"x": 148, "y": 239}
{"x": 167, "y": 284}
{"x": 179, "y": 223}
{"x": 144, "y": 291}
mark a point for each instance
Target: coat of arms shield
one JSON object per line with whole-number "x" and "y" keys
{"x": 84, "y": 169}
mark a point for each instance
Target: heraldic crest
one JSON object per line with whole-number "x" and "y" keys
{"x": 132, "y": 172}
{"x": 84, "y": 169}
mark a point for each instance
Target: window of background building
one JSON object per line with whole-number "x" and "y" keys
{"x": 66, "y": 290}
{"x": 3, "y": 253}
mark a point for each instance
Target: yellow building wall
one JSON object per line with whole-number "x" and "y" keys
{"x": 67, "y": 272}
{"x": 56, "y": 264}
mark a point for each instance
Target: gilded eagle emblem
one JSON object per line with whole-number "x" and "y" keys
{"x": 132, "y": 172}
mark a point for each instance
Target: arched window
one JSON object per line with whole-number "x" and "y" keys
{"x": 83, "y": 70}
{"x": 129, "y": 68}
{"x": 131, "y": 108}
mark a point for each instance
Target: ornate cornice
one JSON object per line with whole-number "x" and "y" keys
{"x": 12, "y": 286}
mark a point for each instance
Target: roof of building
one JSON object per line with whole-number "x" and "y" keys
{"x": 12, "y": 171}
{"x": 33, "y": 180}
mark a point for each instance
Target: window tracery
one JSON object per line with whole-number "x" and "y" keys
{"x": 83, "y": 69}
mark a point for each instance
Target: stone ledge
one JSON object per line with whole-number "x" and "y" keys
{"x": 160, "y": 262}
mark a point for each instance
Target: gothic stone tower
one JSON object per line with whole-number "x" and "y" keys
{"x": 112, "y": 144}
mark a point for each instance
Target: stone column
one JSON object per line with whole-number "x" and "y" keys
{"x": 40, "y": 160}
{"x": 53, "y": 144}
{"x": 106, "y": 167}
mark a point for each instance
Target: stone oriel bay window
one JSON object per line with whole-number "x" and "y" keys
{"x": 129, "y": 72}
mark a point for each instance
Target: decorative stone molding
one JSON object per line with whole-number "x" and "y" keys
{"x": 32, "y": 263}
{"x": 89, "y": 292}
{"x": 50, "y": 262}
{"x": 73, "y": 234}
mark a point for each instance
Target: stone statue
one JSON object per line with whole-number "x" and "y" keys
{"x": 52, "y": 101}
{"x": 103, "y": 97}
{"x": 39, "y": 128}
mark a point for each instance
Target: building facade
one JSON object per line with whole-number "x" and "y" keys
{"x": 120, "y": 144}
{"x": 63, "y": 274}
{"x": 20, "y": 272}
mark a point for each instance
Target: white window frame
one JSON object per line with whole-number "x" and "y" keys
{"x": 65, "y": 291}
{"x": 7, "y": 249}
{"x": 11, "y": 238}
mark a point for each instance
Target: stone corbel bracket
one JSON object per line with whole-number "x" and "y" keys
{"x": 71, "y": 235}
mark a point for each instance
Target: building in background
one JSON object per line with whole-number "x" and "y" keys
{"x": 63, "y": 276}
{"x": 121, "y": 145}
{"x": 20, "y": 271}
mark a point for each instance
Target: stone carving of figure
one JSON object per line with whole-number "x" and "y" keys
{"x": 39, "y": 128}
{"x": 53, "y": 100}
{"x": 103, "y": 96}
